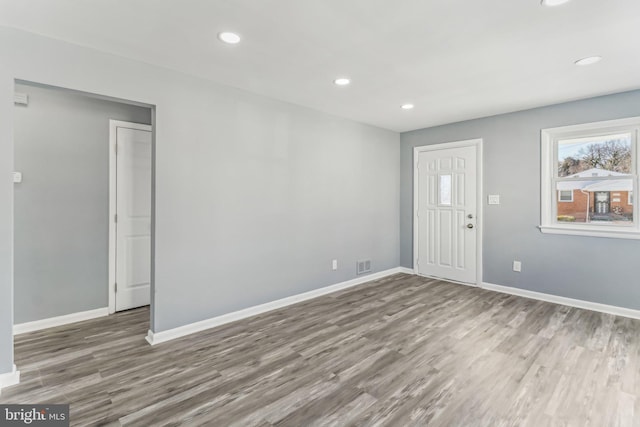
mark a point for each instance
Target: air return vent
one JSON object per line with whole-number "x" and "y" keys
{"x": 363, "y": 266}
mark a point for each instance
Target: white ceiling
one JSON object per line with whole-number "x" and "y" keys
{"x": 453, "y": 59}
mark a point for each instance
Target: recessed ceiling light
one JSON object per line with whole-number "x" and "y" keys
{"x": 554, "y": 2}
{"x": 407, "y": 106}
{"x": 227, "y": 37}
{"x": 588, "y": 60}
{"x": 342, "y": 81}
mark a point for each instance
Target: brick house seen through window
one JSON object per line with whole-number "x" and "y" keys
{"x": 596, "y": 201}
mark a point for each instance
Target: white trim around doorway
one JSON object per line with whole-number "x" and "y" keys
{"x": 479, "y": 195}
{"x": 10, "y": 378}
{"x": 113, "y": 127}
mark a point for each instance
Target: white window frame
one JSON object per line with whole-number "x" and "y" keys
{"x": 565, "y": 201}
{"x": 549, "y": 165}
{"x": 629, "y": 197}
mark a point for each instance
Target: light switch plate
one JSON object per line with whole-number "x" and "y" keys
{"x": 17, "y": 177}
{"x": 494, "y": 199}
{"x": 21, "y": 98}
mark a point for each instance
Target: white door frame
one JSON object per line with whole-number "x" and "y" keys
{"x": 113, "y": 127}
{"x": 479, "y": 215}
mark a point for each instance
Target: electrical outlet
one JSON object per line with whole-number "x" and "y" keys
{"x": 517, "y": 266}
{"x": 494, "y": 199}
{"x": 334, "y": 264}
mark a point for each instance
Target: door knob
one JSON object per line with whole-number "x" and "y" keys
{"x": 470, "y": 216}
{"x": 469, "y": 225}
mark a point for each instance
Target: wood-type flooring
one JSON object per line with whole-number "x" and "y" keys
{"x": 400, "y": 351}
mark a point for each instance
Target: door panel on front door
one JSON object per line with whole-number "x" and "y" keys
{"x": 446, "y": 214}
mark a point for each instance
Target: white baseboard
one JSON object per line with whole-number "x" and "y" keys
{"x": 159, "y": 337}
{"x": 587, "y": 305}
{"x": 151, "y": 338}
{"x": 406, "y": 270}
{"x": 51, "y": 322}
{"x": 10, "y": 378}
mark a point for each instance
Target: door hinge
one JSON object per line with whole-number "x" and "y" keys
{"x": 115, "y": 148}
{"x": 115, "y": 287}
{"x": 115, "y": 218}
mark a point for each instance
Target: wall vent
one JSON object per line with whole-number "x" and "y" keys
{"x": 363, "y": 266}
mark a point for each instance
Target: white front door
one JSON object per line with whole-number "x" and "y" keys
{"x": 445, "y": 222}
{"x": 133, "y": 218}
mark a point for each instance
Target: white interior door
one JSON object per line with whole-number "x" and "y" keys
{"x": 133, "y": 218}
{"x": 445, "y": 227}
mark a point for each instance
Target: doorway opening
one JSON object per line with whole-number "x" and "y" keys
{"x": 64, "y": 193}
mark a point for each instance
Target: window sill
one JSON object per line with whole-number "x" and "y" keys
{"x": 592, "y": 231}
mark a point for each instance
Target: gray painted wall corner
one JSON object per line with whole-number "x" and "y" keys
{"x": 6, "y": 221}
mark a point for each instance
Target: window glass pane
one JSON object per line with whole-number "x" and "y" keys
{"x": 445, "y": 189}
{"x": 565, "y": 195}
{"x": 608, "y": 155}
{"x": 596, "y": 202}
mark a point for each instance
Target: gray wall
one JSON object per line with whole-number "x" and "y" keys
{"x": 259, "y": 196}
{"x": 61, "y": 208}
{"x": 593, "y": 269}
{"x": 6, "y": 221}
{"x": 254, "y": 197}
